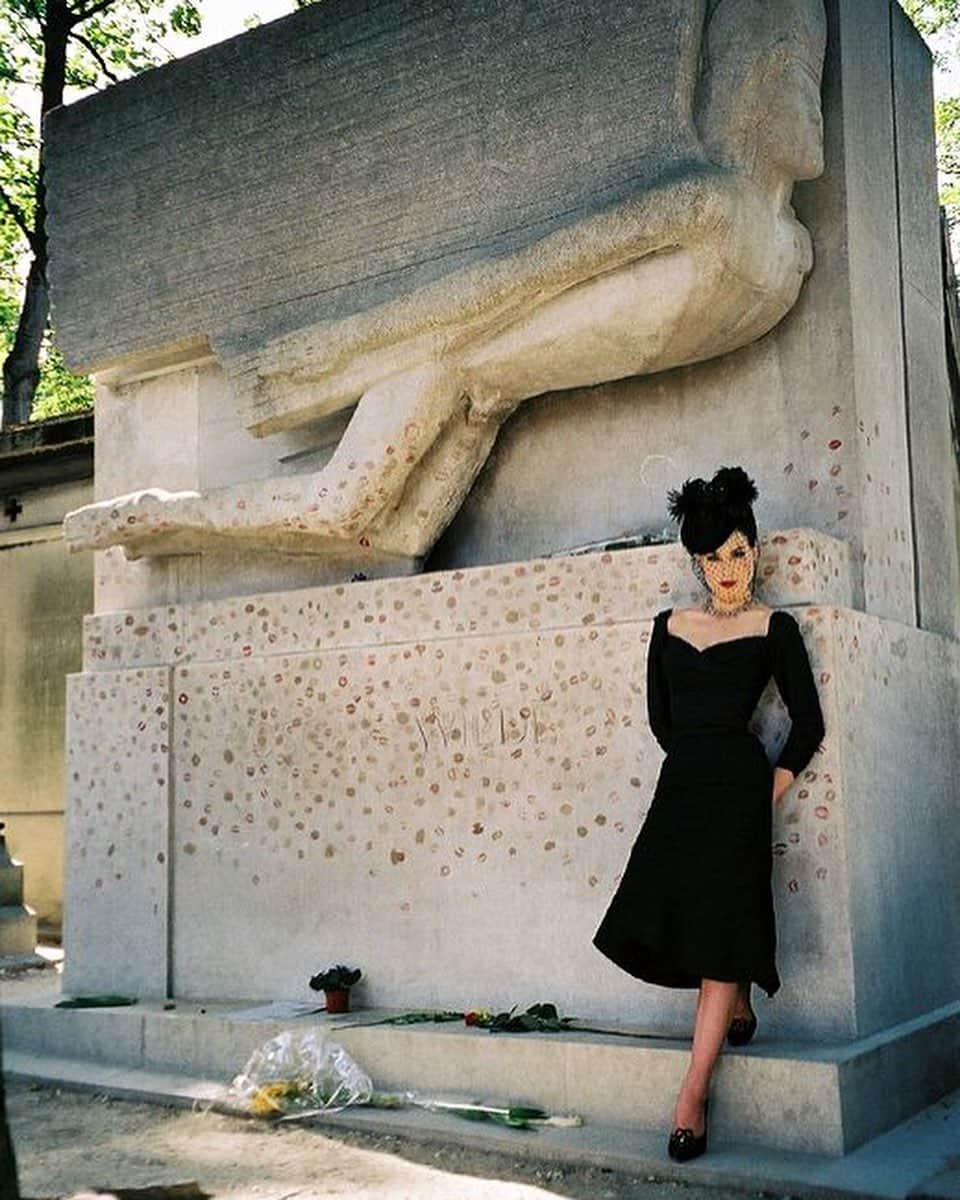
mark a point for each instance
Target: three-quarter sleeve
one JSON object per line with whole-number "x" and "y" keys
{"x": 794, "y": 677}
{"x": 658, "y": 693}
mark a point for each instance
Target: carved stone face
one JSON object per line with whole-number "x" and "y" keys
{"x": 729, "y": 570}
{"x": 759, "y": 102}
{"x": 792, "y": 125}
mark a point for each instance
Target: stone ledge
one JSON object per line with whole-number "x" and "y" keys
{"x": 911, "y": 1160}
{"x": 797, "y": 567}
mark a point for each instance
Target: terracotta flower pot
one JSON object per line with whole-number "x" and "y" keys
{"x": 338, "y": 1000}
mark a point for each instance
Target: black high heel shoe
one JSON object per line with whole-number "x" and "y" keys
{"x": 684, "y": 1143}
{"x": 742, "y": 1029}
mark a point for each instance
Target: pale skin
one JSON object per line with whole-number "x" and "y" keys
{"x": 728, "y": 570}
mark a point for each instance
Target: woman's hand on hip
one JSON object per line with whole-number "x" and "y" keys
{"x": 782, "y": 778}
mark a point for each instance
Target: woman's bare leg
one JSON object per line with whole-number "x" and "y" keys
{"x": 715, "y": 1006}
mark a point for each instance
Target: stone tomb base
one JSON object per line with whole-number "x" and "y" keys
{"x": 438, "y": 779}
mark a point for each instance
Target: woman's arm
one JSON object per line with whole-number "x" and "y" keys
{"x": 794, "y": 676}
{"x": 658, "y": 694}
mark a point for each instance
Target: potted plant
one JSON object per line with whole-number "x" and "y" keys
{"x": 335, "y": 983}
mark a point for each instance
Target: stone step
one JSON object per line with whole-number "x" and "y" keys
{"x": 913, "y": 1160}
{"x": 811, "y": 1098}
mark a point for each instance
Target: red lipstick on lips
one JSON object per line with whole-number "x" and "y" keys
{"x": 727, "y": 582}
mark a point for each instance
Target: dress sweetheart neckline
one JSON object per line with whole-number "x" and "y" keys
{"x": 747, "y": 637}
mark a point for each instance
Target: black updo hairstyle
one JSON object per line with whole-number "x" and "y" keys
{"x": 710, "y": 512}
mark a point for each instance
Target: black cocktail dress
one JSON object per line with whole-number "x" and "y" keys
{"x": 695, "y": 899}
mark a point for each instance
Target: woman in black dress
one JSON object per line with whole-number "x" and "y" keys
{"x": 694, "y": 907}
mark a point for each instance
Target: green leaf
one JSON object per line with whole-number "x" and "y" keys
{"x": 931, "y": 16}
{"x": 413, "y": 1018}
{"x": 185, "y": 18}
{"x": 59, "y": 391}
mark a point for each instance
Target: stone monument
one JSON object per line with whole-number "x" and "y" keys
{"x": 554, "y": 252}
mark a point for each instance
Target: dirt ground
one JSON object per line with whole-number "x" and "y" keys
{"x": 69, "y": 1141}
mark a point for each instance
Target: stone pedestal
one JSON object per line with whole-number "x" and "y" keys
{"x": 440, "y": 778}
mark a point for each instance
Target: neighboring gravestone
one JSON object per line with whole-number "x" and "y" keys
{"x": 18, "y": 922}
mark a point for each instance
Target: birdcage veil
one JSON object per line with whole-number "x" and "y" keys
{"x": 709, "y": 511}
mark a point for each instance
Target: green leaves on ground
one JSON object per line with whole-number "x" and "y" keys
{"x": 539, "y": 1018}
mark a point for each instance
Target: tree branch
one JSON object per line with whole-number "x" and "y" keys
{"x": 96, "y": 54}
{"x": 19, "y": 217}
{"x": 82, "y": 14}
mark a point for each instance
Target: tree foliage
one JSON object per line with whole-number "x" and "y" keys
{"x": 46, "y": 48}
{"x": 931, "y": 16}
{"x": 939, "y": 22}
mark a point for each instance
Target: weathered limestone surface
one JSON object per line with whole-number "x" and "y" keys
{"x": 117, "y": 829}
{"x": 347, "y": 154}
{"x": 930, "y": 456}
{"x": 678, "y": 246}
{"x": 844, "y": 408}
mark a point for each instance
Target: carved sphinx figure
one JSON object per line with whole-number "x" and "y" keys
{"x": 702, "y": 261}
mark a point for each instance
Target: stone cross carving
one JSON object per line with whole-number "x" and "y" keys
{"x": 699, "y": 255}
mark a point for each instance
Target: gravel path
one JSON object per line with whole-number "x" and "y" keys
{"x": 69, "y": 1141}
